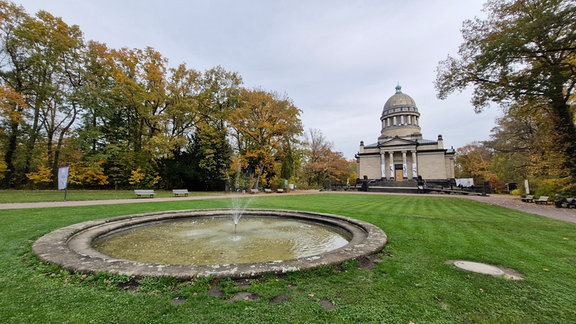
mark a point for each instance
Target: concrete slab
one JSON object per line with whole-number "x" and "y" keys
{"x": 487, "y": 269}
{"x": 479, "y": 268}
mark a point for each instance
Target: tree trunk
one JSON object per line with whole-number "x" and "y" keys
{"x": 32, "y": 141}
{"x": 10, "y": 152}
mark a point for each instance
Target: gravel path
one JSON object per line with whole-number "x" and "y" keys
{"x": 512, "y": 202}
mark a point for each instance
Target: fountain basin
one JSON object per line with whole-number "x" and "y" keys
{"x": 72, "y": 247}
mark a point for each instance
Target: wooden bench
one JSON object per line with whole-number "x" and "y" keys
{"x": 528, "y": 198}
{"x": 144, "y": 193}
{"x": 543, "y": 200}
{"x": 280, "y": 190}
{"x": 254, "y": 191}
{"x": 180, "y": 192}
{"x": 267, "y": 190}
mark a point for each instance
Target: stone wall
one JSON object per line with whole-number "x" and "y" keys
{"x": 432, "y": 165}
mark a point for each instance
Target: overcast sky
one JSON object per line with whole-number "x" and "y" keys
{"x": 338, "y": 60}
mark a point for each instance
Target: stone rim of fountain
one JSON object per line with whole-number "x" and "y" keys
{"x": 71, "y": 246}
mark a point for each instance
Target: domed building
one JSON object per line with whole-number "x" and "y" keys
{"x": 401, "y": 155}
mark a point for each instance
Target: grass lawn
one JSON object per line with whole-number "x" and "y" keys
{"x": 411, "y": 284}
{"x": 14, "y": 196}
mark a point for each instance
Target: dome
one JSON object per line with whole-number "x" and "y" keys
{"x": 400, "y": 117}
{"x": 399, "y": 100}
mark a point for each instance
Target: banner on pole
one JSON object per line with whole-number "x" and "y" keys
{"x": 63, "y": 177}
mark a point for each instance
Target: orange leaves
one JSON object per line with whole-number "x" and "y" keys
{"x": 322, "y": 163}
{"x": 12, "y": 104}
{"x": 476, "y": 161}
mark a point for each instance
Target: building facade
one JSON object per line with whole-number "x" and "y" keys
{"x": 401, "y": 154}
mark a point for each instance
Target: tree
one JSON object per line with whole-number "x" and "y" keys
{"x": 512, "y": 142}
{"x": 63, "y": 58}
{"x": 523, "y": 52}
{"x": 218, "y": 96}
{"x": 139, "y": 112}
{"x": 475, "y": 161}
{"x": 322, "y": 165}
{"x": 525, "y": 148}
{"x": 124, "y": 117}
{"x": 261, "y": 124}
{"x": 42, "y": 57}
{"x": 12, "y": 108}
{"x": 203, "y": 163}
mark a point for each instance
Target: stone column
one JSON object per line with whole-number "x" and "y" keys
{"x": 382, "y": 165}
{"x": 414, "y": 166}
{"x": 391, "y": 154}
{"x": 404, "y": 166}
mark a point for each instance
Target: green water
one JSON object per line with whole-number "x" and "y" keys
{"x": 215, "y": 241}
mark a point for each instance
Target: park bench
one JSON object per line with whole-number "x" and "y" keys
{"x": 180, "y": 192}
{"x": 144, "y": 193}
{"x": 542, "y": 200}
{"x": 267, "y": 190}
{"x": 527, "y": 198}
{"x": 280, "y": 190}
{"x": 566, "y": 203}
{"x": 253, "y": 191}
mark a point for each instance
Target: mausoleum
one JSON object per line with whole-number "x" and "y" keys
{"x": 401, "y": 155}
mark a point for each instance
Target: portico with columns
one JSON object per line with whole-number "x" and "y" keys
{"x": 401, "y": 153}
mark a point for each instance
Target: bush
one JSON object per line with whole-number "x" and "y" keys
{"x": 3, "y": 169}
{"x": 41, "y": 178}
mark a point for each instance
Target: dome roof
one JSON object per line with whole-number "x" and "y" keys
{"x": 399, "y": 99}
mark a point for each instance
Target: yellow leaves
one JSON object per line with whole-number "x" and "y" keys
{"x": 86, "y": 173}
{"x": 475, "y": 160}
{"x": 162, "y": 146}
{"x": 3, "y": 169}
{"x": 140, "y": 177}
{"x": 156, "y": 180}
{"x": 263, "y": 124}
{"x": 136, "y": 176}
{"x": 42, "y": 176}
{"x": 264, "y": 119}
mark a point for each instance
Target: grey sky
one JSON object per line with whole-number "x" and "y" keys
{"x": 338, "y": 60}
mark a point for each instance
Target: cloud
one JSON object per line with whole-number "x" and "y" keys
{"x": 338, "y": 60}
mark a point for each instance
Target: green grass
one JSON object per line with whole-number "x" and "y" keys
{"x": 26, "y": 196}
{"x": 412, "y": 283}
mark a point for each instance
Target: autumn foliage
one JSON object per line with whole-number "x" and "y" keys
{"x": 126, "y": 118}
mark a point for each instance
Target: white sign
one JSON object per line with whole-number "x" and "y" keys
{"x": 464, "y": 182}
{"x": 63, "y": 177}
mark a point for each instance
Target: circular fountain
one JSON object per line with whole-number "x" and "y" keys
{"x": 201, "y": 243}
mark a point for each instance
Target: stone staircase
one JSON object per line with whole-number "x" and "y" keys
{"x": 385, "y": 185}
